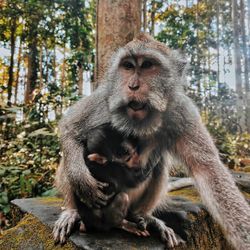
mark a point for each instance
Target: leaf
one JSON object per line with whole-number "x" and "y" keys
{"x": 50, "y": 192}
{"x": 41, "y": 131}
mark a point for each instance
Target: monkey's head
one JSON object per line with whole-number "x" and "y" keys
{"x": 143, "y": 77}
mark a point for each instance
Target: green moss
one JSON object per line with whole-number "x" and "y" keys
{"x": 247, "y": 195}
{"x": 246, "y": 169}
{"x": 52, "y": 200}
{"x": 189, "y": 193}
{"x": 32, "y": 234}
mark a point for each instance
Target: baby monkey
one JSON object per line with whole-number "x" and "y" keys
{"x": 112, "y": 159}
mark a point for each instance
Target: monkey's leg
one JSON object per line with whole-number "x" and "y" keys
{"x": 167, "y": 234}
{"x": 115, "y": 214}
{"x": 116, "y": 211}
{"x": 68, "y": 218}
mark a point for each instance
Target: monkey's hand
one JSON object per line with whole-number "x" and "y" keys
{"x": 65, "y": 224}
{"x": 167, "y": 234}
{"x": 89, "y": 190}
{"x": 92, "y": 193}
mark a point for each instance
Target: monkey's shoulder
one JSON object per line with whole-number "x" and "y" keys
{"x": 181, "y": 116}
{"x": 89, "y": 112}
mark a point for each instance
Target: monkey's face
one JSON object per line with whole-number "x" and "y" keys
{"x": 142, "y": 78}
{"x": 127, "y": 155}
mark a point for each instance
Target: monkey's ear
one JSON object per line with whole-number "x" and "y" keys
{"x": 97, "y": 158}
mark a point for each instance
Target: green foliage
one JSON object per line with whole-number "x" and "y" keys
{"x": 232, "y": 146}
{"x": 28, "y": 160}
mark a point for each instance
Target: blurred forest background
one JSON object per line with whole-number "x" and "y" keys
{"x": 47, "y": 59}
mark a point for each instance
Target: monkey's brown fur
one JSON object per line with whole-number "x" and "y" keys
{"x": 142, "y": 94}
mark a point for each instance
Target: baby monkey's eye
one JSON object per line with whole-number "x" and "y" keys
{"x": 121, "y": 152}
{"x": 146, "y": 64}
{"x": 128, "y": 65}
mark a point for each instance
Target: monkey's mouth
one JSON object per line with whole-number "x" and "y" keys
{"x": 137, "y": 106}
{"x": 137, "y": 110}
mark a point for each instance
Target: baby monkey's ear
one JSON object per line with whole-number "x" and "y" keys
{"x": 97, "y": 158}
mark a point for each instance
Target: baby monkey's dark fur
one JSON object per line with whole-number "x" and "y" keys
{"x": 112, "y": 158}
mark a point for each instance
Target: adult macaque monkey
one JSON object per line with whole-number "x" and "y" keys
{"x": 142, "y": 94}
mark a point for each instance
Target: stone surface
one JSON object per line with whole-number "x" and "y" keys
{"x": 34, "y": 230}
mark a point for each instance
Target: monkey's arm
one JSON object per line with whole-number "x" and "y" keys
{"x": 217, "y": 188}
{"x": 83, "y": 116}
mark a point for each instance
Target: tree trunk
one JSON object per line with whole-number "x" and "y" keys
{"x": 63, "y": 68}
{"x": 237, "y": 63}
{"x": 118, "y": 21}
{"x": 80, "y": 78}
{"x": 54, "y": 64}
{"x": 152, "y": 29}
{"x": 32, "y": 71}
{"x": 41, "y": 66}
{"x": 218, "y": 44}
{"x": 144, "y": 15}
{"x": 246, "y": 63}
{"x": 19, "y": 58}
{"x": 12, "y": 53}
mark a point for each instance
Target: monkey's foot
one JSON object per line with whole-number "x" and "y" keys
{"x": 176, "y": 214}
{"x": 65, "y": 224}
{"x": 132, "y": 228}
{"x": 138, "y": 220}
{"x": 167, "y": 234}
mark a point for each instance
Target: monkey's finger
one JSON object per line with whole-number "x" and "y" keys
{"x": 101, "y": 203}
{"x": 102, "y": 185}
{"x": 63, "y": 236}
{"x": 69, "y": 226}
{"x": 56, "y": 232}
{"x": 82, "y": 227}
{"x": 103, "y": 198}
{"x": 172, "y": 238}
{"x": 145, "y": 233}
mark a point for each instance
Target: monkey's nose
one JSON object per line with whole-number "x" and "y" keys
{"x": 133, "y": 87}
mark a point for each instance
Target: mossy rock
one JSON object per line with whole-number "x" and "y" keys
{"x": 34, "y": 231}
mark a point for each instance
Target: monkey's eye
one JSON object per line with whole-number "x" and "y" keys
{"x": 146, "y": 65}
{"x": 128, "y": 65}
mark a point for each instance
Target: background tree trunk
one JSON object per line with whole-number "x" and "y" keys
{"x": 19, "y": 58}
{"x": 153, "y": 10}
{"x": 246, "y": 56}
{"x": 32, "y": 71}
{"x": 80, "y": 78}
{"x": 237, "y": 63}
{"x": 145, "y": 15}
{"x": 12, "y": 53}
{"x": 118, "y": 21}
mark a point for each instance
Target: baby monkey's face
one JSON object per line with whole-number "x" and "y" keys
{"x": 124, "y": 154}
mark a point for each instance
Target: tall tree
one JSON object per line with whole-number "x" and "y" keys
{"x": 13, "y": 27}
{"x": 246, "y": 57}
{"x": 238, "y": 70}
{"x": 117, "y": 23}
{"x": 144, "y": 13}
